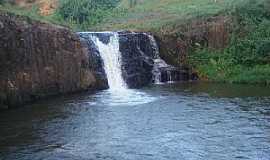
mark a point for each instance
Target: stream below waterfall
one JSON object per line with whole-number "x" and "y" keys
{"x": 182, "y": 121}
{"x": 174, "y": 121}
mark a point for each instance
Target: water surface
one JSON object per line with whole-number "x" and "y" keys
{"x": 185, "y": 121}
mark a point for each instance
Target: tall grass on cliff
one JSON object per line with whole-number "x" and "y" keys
{"x": 144, "y": 15}
{"x": 29, "y": 12}
{"x": 77, "y": 14}
{"x": 247, "y": 58}
{"x": 166, "y": 15}
{"x": 85, "y": 13}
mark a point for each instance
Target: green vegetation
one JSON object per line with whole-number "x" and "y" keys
{"x": 143, "y": 15}
{"x": 77, "y": 14}
{"x": 32, "y": 13}
{"x": 85, "y": 12}
{"x": 167, "y": 15}
{"x": 247, "y": 58}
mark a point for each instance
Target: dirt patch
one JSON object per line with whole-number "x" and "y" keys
{"x": 46, "y": 7}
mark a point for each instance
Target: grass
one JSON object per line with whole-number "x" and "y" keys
{"x": 33, "y": 13}
{"x": 155, "y": 15}
{"x": 147, "y": 15}
{"x": 245, "y": 60}
{"x": 257, "y": 74}
{"x": 30, "y": 12}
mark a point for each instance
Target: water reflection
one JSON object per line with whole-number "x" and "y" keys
{"x": 162, "y": 122}
{"x": 218, "y": 89}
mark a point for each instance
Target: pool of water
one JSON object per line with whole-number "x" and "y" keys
{"x": 187, "y": 121}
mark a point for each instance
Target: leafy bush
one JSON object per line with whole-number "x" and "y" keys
{"x": 88, "y": 12}
{"x": 247, "y": 58}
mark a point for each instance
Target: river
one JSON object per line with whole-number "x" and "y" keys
{"x": 185, "y": 121}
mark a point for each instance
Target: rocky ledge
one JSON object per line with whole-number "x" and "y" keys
{"x": 141, "y": 64}
{"x": 38, "y": 60}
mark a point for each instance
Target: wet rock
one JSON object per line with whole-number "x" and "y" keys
{"x": 38, "y": 60}
{"x": 95, "y": 58}
{"x": 1, "y": 25}
{"x": 137, "y": 58}
{"x": 142, "y": 64}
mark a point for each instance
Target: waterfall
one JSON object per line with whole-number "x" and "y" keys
{"x": 111, "y": 57}
{"x": 158, "y": 64}
{"x": 106, "y": 48}
{"x": 138, "y": 65}
{"x": 169, "y": 77}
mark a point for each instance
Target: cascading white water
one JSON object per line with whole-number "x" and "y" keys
{"x": 169, "y": 77}
{"x": 107, "y": 44}
{"x": 158, "y": 63}
{"x": 111, "y": 57}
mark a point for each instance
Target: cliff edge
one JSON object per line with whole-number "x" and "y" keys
{"x": 38, "y": 60}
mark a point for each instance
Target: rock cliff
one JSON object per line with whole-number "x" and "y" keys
{"x": 140, "y": 61}
{"x": 39, "y": 60}
{"x": 137, "y": 58}
{"x": 142, "y": 64}
{"x": 212, "y": 33}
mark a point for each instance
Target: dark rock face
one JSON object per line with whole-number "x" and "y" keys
{"x": 141, "y": 64}
{"x": 136, "y": 51}
{"x": 173, "y": 74}
{"x": 164, "y": 73}
{"x": 137, "y": 58}
{"x": 39, "y": 60}
{"x": 213, "y": 33}
{"x": 95, "y": 58}
{"x": 141, "y": 61}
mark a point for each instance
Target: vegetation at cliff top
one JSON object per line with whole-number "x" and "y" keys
{"x": 167, "y": 15}
{"x": 85, "y": 13}
{"x": 245, "y": 60}
{"x": 143, "y": 15}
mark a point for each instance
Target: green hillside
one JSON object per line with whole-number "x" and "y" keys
{"x": 163, "y": 14}
{"x": 246, "y": 58}
{"x": 143, "y": 15}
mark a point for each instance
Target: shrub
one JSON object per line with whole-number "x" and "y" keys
{"x": 247, "y": 58}
{"x": 85, "y": 11}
